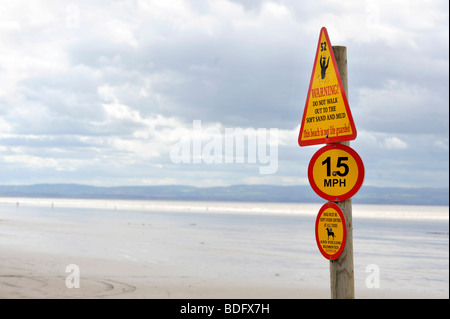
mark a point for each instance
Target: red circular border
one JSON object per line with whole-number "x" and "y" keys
{"x": 344, "y": 225}
{"x": 359, "y": 180}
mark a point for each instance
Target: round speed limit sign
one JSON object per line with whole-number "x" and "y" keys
{"x": 336, "y": 172}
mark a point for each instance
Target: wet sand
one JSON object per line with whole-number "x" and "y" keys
{"x": 134, "y": 254}
{"x": 43, "y": 276}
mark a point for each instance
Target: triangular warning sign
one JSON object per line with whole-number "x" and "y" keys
{"x": 327, "y": 117}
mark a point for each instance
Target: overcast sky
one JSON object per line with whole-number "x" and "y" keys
{"x": 106, "y": 92}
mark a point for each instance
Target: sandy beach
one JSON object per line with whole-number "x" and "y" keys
{"x": 40, "y": 276}
{"x": 29, "y": 275}
{"x": 142, "y": 254}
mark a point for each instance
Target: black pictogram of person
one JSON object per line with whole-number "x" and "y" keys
{"x": 324, "y": 66}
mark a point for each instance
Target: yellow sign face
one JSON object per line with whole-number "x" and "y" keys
{"x": 327, "y": 117}
{"x": 331, "y": 231}
{"x": 336, "y": 172}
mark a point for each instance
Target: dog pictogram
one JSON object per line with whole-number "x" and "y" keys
{"x": 330, "y": 233}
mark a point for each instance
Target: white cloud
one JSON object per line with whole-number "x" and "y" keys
{"x": 442, "y": 144}
{"x": 395, "y": 143}
{"x": 38, "y": 162}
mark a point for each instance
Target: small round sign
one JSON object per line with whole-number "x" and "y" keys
{"x": 336, "y": 172}
{"x": 331, "y": 231}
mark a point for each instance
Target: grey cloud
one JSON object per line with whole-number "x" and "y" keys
{"x": 247, "y": 75}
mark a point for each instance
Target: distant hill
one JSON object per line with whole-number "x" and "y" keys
{"x": 247, "y": 193}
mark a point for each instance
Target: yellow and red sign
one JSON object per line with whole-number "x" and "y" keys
{"x": 326, "y": 117}
{"x": 331, "y": 231}
{"x": 336, "y": 172}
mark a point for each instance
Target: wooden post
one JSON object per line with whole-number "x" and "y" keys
{"x": 341, "y": 270}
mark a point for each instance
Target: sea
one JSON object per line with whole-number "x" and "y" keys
{"x": 398, "y": 250}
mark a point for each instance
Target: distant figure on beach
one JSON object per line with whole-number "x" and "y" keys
{"x": 330, "y": 233}
{"x": 323, "y": 66}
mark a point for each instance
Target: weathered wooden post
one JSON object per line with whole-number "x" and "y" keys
{"x": 341, "y": 270}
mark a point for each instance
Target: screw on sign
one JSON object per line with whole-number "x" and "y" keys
{"x": 331, "y": 231}
{"x": 336, "y": 172}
